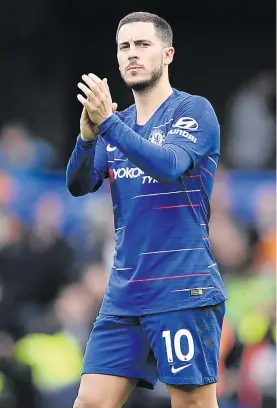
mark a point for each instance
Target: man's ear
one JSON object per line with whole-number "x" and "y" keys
{"x": 169, "y": 54}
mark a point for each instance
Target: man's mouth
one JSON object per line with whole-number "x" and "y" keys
{"x": 134, "y": 67}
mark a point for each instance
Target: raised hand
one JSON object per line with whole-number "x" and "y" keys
{"x": 98, "y": 103}
{"x": 89, "y": 129}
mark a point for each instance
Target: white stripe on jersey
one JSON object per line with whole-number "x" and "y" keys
{"x": 170, "y": 192}
{"x": 172, "y": 250}
{"x": 184, "y": 290}
{"x": 212, "y": 160}
{"x": 166, "y": 123}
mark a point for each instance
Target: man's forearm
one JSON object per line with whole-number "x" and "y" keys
{"x": 164, "y": 163}
{"x": 81, "y": 177}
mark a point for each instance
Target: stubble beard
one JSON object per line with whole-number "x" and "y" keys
{"x": 147, "y": 84}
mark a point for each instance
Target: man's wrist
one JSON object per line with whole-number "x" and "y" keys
{"x": 88, "y": 140}
{"x": 87, "y": 144}
{"x": 104, "y": 126}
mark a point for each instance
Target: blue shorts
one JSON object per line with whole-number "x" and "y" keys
{"x": 178, "y": 347}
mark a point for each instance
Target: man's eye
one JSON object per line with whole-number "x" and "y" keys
{"x": 124, "y": 47}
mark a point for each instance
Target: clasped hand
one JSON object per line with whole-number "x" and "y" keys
{"x": 99, "y": 101}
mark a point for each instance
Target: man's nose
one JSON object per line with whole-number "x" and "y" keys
{"x": 133, "y": 59}
{"x": 133, "y": 54}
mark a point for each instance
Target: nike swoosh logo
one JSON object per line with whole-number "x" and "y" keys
{"x": 110, "y": 148}
{"x": 176, "y": 370}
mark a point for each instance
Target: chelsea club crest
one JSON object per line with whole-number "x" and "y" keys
{"x": 157, "y": 136}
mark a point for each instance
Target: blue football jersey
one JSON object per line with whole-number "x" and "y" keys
{"x": 163, "y": 259}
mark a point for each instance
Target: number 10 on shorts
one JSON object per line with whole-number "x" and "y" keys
{"x": 177, "y": 345}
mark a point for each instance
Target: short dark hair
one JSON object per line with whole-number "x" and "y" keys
{"x": 163, "y": 29}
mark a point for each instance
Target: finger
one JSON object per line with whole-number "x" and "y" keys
{"x": 85, "y": 102}
{"x": 84, "y": 113}
{"x": 105, "y": 81}
{"x": 107, "y": 89}
{"x": 114, "y": 106}
{"x": 98, "y": 82}
{"x": 86, "y": 90}
{"x": 92, "y": 85}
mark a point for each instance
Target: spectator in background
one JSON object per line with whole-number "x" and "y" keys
{"x": 62, "y": 332}
{"x": 20, "y": 150}
{"x": 250, "y": 130}
{"x": 229, "y": 240}
{"x": 34, "y": 265}
{"x": 16, "y": 385}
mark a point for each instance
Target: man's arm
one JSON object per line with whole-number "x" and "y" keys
{"x": 179, "y": 153}
{"x": 164, "y": 163}
{"x": 87, "y": 167}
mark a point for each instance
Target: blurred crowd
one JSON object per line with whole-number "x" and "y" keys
{"x": 53, "y": 272}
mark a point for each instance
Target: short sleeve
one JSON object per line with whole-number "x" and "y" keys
{"x": 195, "y": 128}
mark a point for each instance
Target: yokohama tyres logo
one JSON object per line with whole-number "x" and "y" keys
{"x": 126, "y": 172}
{"x": 130, "y": 173}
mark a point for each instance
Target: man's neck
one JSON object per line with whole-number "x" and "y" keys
{"x": 149, "y": 101}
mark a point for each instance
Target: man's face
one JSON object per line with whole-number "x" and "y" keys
{"x": 140, "y": 55}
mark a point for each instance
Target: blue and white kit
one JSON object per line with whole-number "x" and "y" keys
{"x": 165, "y": 301}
